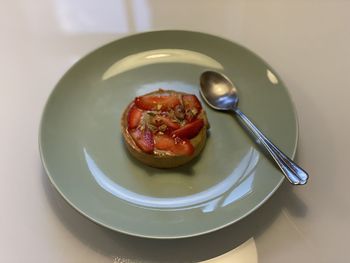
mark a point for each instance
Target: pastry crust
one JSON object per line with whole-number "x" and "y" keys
{"x": 163, "y": 159}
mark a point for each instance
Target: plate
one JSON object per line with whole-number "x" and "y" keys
{"x": 84, "y": 156}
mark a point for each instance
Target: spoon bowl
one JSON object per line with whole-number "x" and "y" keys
{"x": 218, "y": 91}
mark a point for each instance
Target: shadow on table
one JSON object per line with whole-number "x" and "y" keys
{"x": 120, "y": 246}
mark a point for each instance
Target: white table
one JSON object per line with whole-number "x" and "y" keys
{"x": 306, "y": 42}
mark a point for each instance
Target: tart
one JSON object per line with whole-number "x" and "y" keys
{"x": 165, "y": 128}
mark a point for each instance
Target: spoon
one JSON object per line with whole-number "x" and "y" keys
{"x": 221, "y": 94}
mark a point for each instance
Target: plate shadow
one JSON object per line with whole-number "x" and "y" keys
{"x": 116, "y": 245}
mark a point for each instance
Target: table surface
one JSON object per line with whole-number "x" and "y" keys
{"x": 306, "y": 42}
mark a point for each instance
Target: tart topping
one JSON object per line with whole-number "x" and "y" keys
{"x": 134, "y": 117}
{"x": 179, "y": 112}
{"x": 165, "y": 122}
{"x": 157, "y": 102}
{"x": 192, "y": 107}
{"x": 190, "y": 130}
{"x": 160, "y": 121}
{"x": 175, "y": 146}
{"x": 143, "y": 139}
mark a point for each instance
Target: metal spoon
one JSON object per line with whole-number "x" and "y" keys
{"x": 220, "y": 93}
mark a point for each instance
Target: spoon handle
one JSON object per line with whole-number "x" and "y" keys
{"x": 295, "y": 174}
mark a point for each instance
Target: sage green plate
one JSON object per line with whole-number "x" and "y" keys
{"x": 84, "y": 156}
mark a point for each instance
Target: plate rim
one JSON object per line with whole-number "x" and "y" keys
{"x": 130, "y": 233}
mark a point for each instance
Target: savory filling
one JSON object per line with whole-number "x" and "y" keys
{"x": 164, "y": 123}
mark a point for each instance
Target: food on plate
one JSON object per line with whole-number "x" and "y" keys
{"x": 165, "y": 128}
